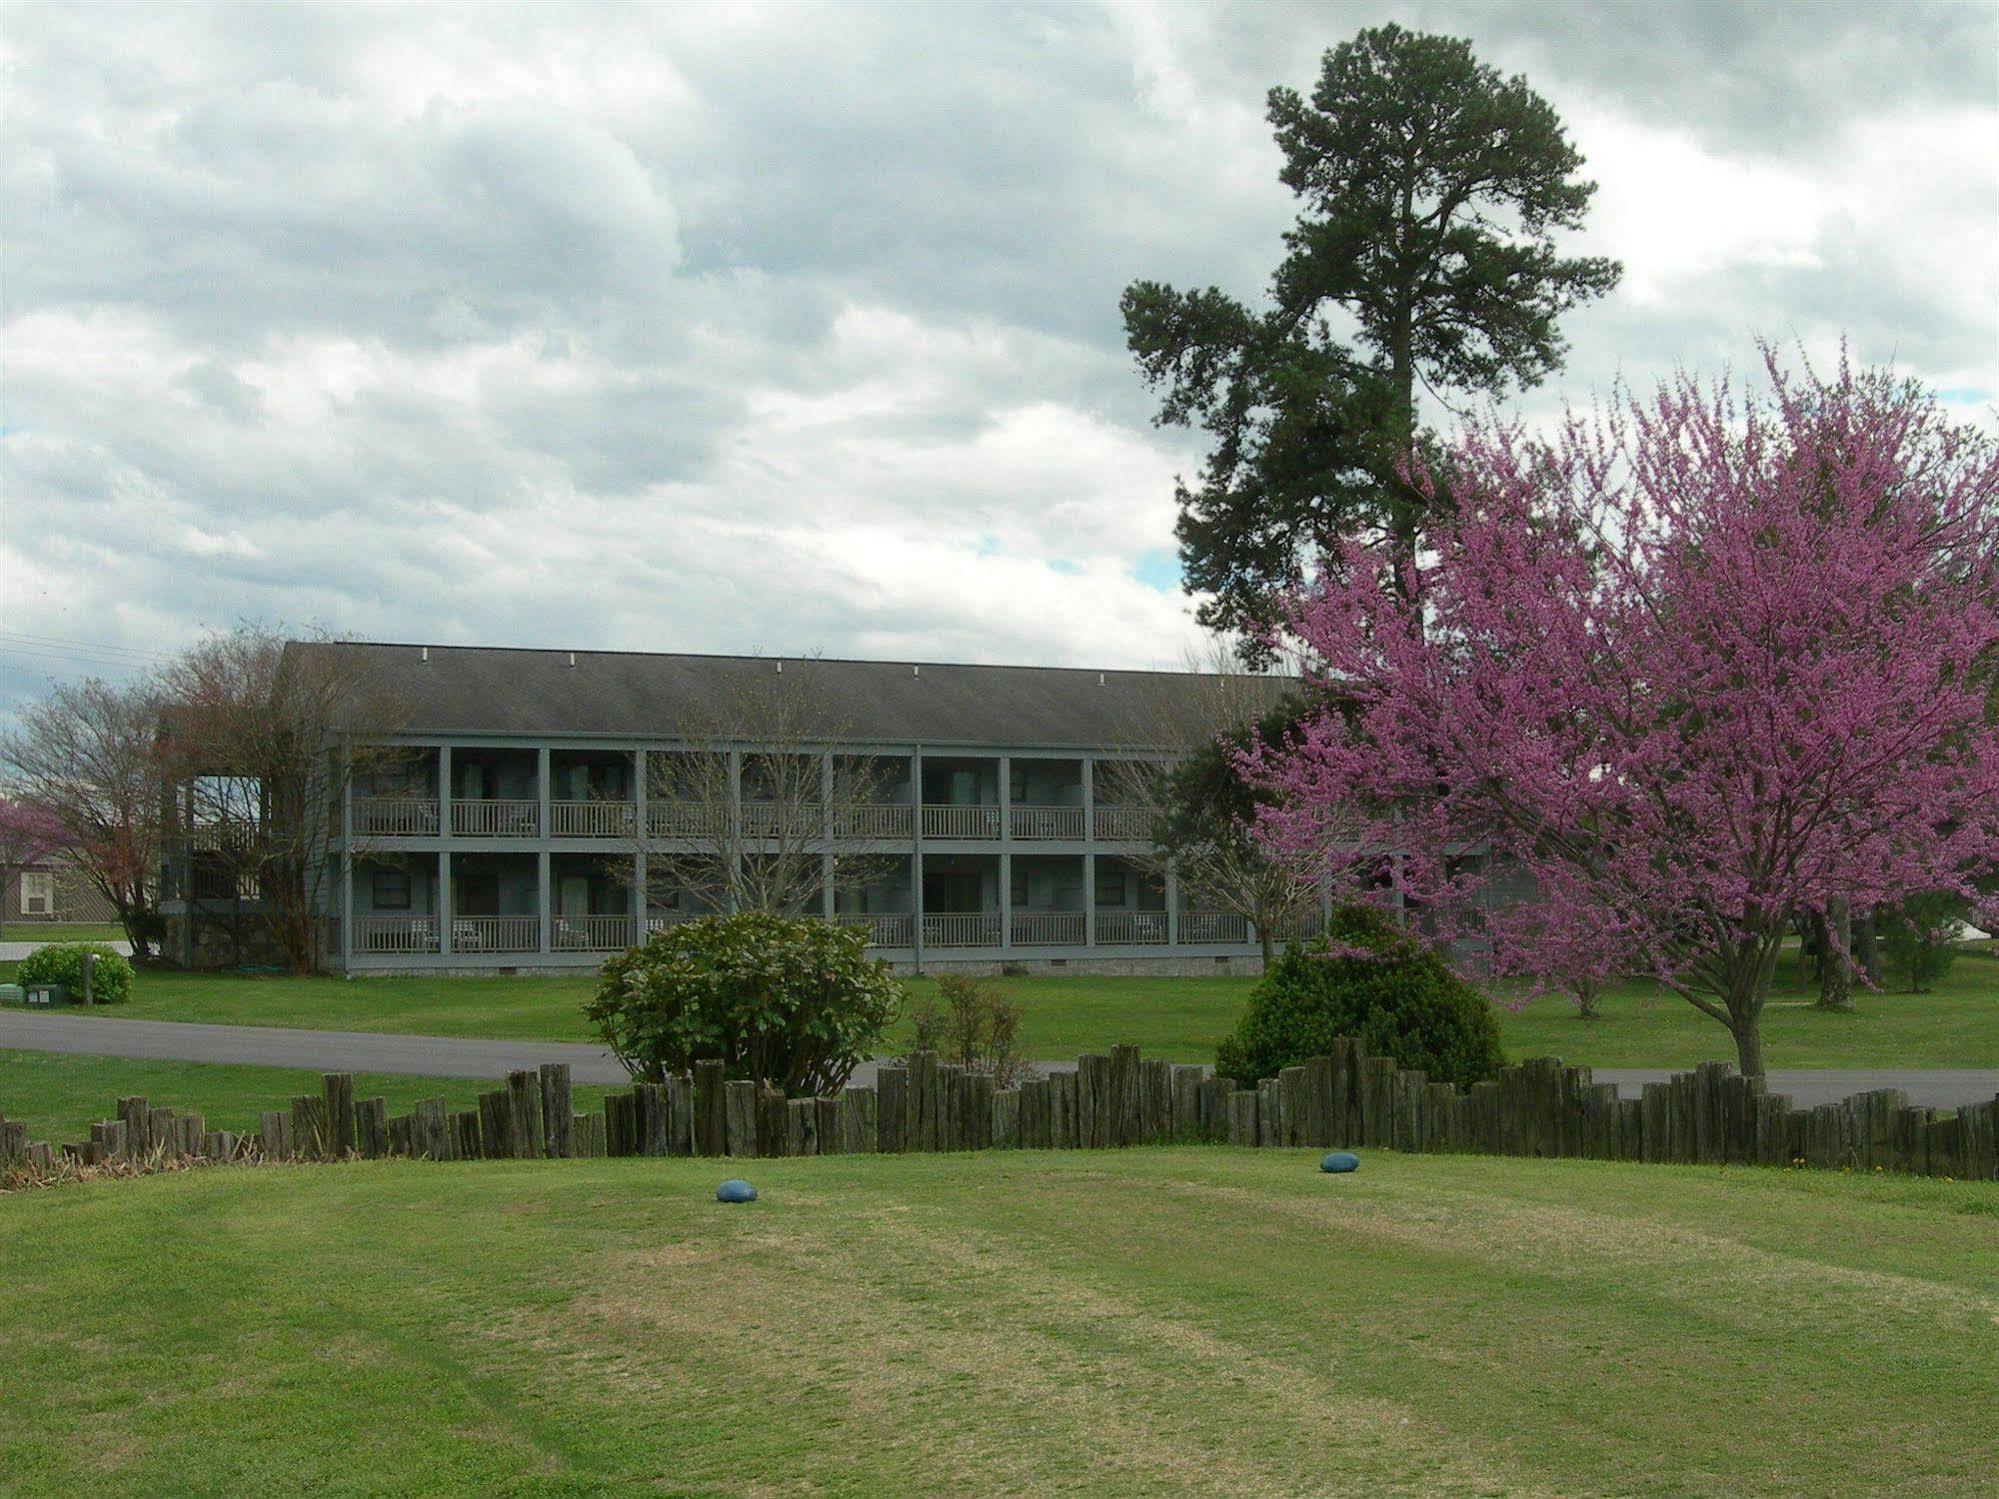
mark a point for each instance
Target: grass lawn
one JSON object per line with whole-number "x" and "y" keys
{"x": 1178, "y": 1018}
{"x": 62, "y": 931}
{"x": 62, "y": 1096}
{"x": 1002, "y": 1323}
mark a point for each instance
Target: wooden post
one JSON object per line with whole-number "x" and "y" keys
{"x": 711, "y": 1119}
{"x": 920, "y": 1111}
{"x": 524, "y": 1097}
{"x": 803, "y": 1116}
{"x": 1344, "y": 1123}
{"x": 950, "y": 1106}
{"x": 1155, "y": 1100}
{"x": 1126, "y": 1104}
{"x": 864, "y": 1118}
{"x": 589, "y": 1135}
{"x": 1186, "y": 1119}
{"x": 340, "y": 1120}
{"x": 133, "y": 1111}
{"x": 1094, "y": 1105}
{"x": 1269, "y": 1119}
{"x": 371, "y": 1128}
{"x": 1316, "y": 1123}
{"x": 558, "y": 1111}
{"x": 1292, "y": 1089}
{"x": 649, "y": 1118}
{"x": 773, "y": 1122}
{"x": 892, "y": 1109}
{"x": 1063, "y": 1115}
{"x": 271, "y": 1135}
{"x": 1242, "y": 1117}
{"x": 309, "y": 1125}
{"x": 739, "y": 1108}
{"x": 433, "y": 1129}
{"x": 465, "y": 1142}
{"x": 826, "y": 1125}
{"x": 496, "y": 1124}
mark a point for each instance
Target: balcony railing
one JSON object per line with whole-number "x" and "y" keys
{"x": 659, "y": 921}
{"x": 683, "y": 820}
{"x": 1048, "y": 822}
{"x": 1048, "y": 928}
{"x": 969, "y": 929}
{"x": 395, "y": 816}
{"x": 591, "y": 933}
{"x": 495, "y": 934}
{"x": 395, "y": 934}
{"x": 1303, "y": 924}
{"x": 1213, "y": 926}
{"x": 885, "y": 820}
{"x": 979, "y": 823}
{"x": 489, "y": 817}
{"x": 1122, "y": 825}
{"x": 794, "y": 820}
{"x": 593, "y": 819}
{"x": 885, "y": 928}
{"x": 1136, "y": 927}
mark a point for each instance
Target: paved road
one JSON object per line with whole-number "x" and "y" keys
{"x": 13, "y": 952}
{"x": 446, "y": 1056}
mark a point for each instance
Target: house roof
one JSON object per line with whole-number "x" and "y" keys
{"x": 623, "y": 694}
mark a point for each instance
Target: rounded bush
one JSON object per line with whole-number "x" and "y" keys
{"x": 782, "y": 1000}
{"x": 1367, "y": 979}
{"x": 62, "y": 963}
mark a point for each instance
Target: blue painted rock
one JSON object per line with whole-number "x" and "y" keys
{"x": 735, "y": 1189}
{"x": 1340, "y": 1160}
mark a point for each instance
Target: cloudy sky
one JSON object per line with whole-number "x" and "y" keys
{"x": 794, "y": 327}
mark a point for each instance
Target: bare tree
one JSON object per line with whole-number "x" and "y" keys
{"x": 762, "y": 802}
{"x": 88, "y": 755}
{"x": 263, "y": 736}
{"x": 1201, "y": 813}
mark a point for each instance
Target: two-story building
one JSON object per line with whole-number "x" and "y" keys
{"x": 536, "y": 796}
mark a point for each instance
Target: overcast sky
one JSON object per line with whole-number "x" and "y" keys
{"x": 794, "y": 327}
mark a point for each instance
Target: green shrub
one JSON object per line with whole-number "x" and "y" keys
{"x": 62, "y": 963}
{"x": 1922, "y": 936}
{"x": 779, "y": 999}
{"x": 1369, "y": 980}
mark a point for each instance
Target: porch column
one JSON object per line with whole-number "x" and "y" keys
{"x": 444, "y": 791}
{"x": 445, "y": 905}
{"x": 641, "y": 830}
{"x": 826, "y": 867}
{"x": 916, "y": 854}
{"x": 1172, "y": 905}
{"x": 542, "y": 903}
{"x": 1089, "y": 899}
{"x": 1006, "y": 852}
{"x": 542, "y": 824}
{"x": 735, "y": 834}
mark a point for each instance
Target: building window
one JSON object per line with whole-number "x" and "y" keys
{"x": 392, "y": 890}
{"x": 38, "y": 893}
{"x": 1110, "y": 886}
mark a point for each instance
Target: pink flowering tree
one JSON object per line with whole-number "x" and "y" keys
{"x": 28, "y": 835}
{"x": 1693, "y": 665}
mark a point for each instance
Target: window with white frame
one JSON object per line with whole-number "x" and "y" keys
{"x": 38, "y": 893}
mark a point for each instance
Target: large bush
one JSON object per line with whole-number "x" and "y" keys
{"x": 1921, "y": 936}
{"x": 1366, "y": 979}
{"x": 62, "y": 963}
{"x": 789, "y": 1001}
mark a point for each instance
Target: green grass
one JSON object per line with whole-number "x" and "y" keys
{"x": 1178, "y": 1018}
{"x": 61, "y": 1096}
{"x": 1001, "y": 1323}
{"x": 62, "y": 931}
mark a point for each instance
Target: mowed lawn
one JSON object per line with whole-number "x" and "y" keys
{"x": 61, "y": 1096}
{"x": 1195, "y": 1321}
{"x": 1178, "y": 1018}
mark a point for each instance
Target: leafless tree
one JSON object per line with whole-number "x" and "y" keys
{"x": 88, "y": 754}
{"x": 1201, "y": 816}
{"x": 262, "y": 737}
{"x": 761, "y": 802}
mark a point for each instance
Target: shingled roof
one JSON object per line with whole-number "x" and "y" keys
{"x": 626, "y": 694}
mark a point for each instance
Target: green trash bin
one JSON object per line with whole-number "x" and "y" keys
{"x": 13, "y": 994}
{"x": 47, "y": 996}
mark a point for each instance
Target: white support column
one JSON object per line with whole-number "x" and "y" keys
{"x": 1089, "y": 853}
{"x": 826, "y": 866}
{"x": 1089, "y": 900}
{"x": 544, "y": 894}
{"x": 734, "y": 762}
{"x": 641, "y": 831}
{"x": 446, "y": 907}
{"x": 1172, "y": 906}
{"x": 1006, "y": 852}
{"x": 916, "y": 854}
{"x": 444, "y": 791}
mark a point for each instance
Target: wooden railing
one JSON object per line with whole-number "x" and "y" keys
{"x": 967, "y": 929}
{"x": 489, "y": 817}
{"x": 1048, "y": 928}
{"x": 884, "y": 820}
{"x": 593, "y": 819}
{"x": 1117, "y": 927}
{"x": 395, "y": 816}
{"x": 683, "y": 820}
{"x": 611, "y": 933}
{"x": 797, "y": 820}
{"x": 885, "y": 929}
{"x": 980, "y": 823}
{"x": 1047, "y": 822}
{"x": 471, "y": 934}
{"x": 1213, "y": 926}
{"x": 1122, "y": 824}
{"x": 659, "y": 921}
{"x": 1303, "y": 924}
{"x": 395, "y": 934}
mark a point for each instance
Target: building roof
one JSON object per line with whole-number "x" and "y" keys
{"x": 444, "y": 689}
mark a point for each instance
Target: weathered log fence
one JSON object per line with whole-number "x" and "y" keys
{"x": 1539, "y": 1108}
